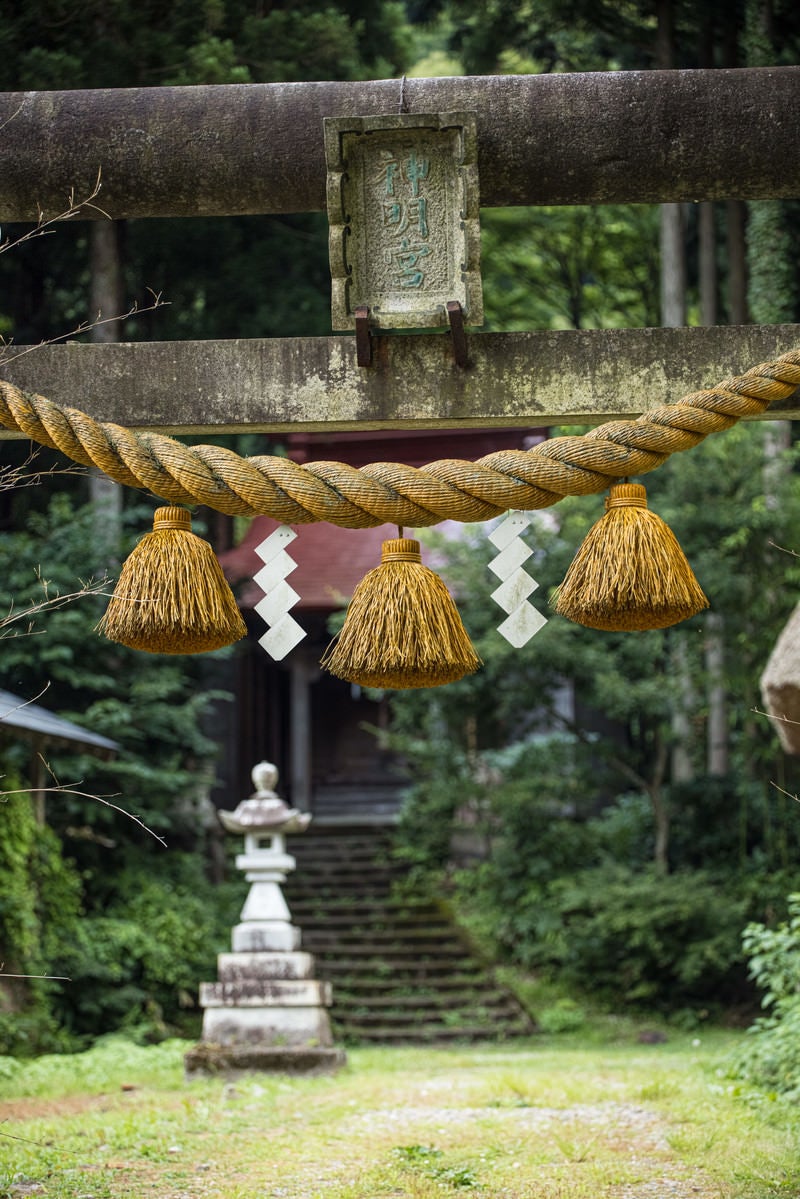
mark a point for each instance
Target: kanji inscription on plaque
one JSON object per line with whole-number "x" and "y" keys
{"x": 403, "y": 211}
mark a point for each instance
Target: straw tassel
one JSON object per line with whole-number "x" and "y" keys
{"x": 630, "y": 573}
{"x": 172, "y": 597}
{"x": 402, "y": 628}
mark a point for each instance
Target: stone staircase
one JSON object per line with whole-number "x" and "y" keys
{"x": 401, "y": 971}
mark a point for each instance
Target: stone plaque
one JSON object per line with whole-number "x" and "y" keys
{"x": 403, "y": 209}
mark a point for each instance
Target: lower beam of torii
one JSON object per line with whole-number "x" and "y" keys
{"x": 314, "y": 384}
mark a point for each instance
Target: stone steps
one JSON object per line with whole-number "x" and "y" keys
{"x": 435, "y": 1032}
{"x": 402, "y": 972}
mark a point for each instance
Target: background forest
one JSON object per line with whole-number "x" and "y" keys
{"x": 625, "y": 845}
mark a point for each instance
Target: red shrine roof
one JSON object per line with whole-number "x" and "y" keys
{"x": 331, "y": 561}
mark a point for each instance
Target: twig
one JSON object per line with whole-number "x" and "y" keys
{"x": 39, "y": 1144}
{"x": 788, "y": 794}
{"x": 73, "y": 209}
{"x": 14, "y": 114}
{"x": 783, "y": 549}
{"x": 135, "y": 309}
{"x": 54, "y": 978}
{"x": 771, "y": 716}
{"x": 48, "y": 604}
{"x": 72, "y": 789}
{"x": 14, "y": 477}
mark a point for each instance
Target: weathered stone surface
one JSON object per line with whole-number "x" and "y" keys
{"x": 403, "y": 204}
{"x": 285, "y": 384}
{"x": 266, "y": 993}
{"x": 245, "y": 967}
{"x": 267, "y": 1025}
{"x": 265, "y": 936}
{"x": 203, "y": 1060}
{"x": 595, "y": 138}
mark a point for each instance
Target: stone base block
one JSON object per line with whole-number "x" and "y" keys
{"x": 265, "y": 936}
{"x": 267, "y": 1027}
{"x": 266, "y": 992}
{"x": 233, "y": 1061}
{"x": 247, "y": 967}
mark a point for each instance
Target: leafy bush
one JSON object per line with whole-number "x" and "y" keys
{"x": 665, "y": 941}
{"x": 132, "y": 927}
{"x": 39, "y": 904}
{"x": 565, "y": 1015}
{"x": 771, "y": 1056}
{"x": 137, "y": 967}
{"x": 627, "y": 936}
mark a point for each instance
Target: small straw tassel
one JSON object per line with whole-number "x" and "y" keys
{"x": 629, "y": 573}
{"x": 402, "y": 628}
{"x": 172, "y": 597}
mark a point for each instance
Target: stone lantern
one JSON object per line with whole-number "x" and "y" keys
{"x": 266, "y": 1011}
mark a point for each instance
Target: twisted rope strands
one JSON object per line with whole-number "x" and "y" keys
{"x": 387, "y": 492}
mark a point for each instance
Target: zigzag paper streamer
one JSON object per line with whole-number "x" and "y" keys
{"x": 284, "y": 632}
{"x": 523, "y": 620}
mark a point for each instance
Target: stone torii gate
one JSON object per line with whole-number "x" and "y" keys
{"x": 546, "y": 139}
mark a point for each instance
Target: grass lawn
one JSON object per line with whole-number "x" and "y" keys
{"x": 566, "y": 1117}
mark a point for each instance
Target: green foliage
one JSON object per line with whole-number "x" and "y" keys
{"x": 132, "y": 925}
{"x": 153, "y": 706}
{"x": 570, "y": 268}
{"x": 558, "y": 799}
{"x": 428, "y": 1160}
{"x": 102, "y": 1069}
{"x": 111, "y": 44}
{"x": 771, "y": 1056}
{"x": 136, "y": 966}
{"x": 240, "y": 277}
{"x": 39, "y": 904}
{"x": 564, "y": 1016}
{"x": 650, "y": 940}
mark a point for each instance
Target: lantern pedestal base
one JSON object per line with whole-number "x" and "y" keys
{"x": 235, "y": 1061}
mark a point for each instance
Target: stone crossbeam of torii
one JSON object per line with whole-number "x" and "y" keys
{"x": 598, "y": 138}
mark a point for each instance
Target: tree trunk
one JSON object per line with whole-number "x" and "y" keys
{"x": 672, "y": 235}
{"x": 673, "y": 266}
{"x": 736, "y": 217}
{"x": 707, "y": 249}
{"x": 682, "y": 765}
{"x": 717, "y": 742}
{"x": 105, "y": 301}
{"x": 660, "y": 808}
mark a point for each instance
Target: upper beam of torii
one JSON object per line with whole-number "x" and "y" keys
{"x": 614, "y": 137}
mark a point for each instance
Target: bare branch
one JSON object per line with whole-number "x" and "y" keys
{"x": 23, "y": 704}
{"x": 39, "y": 1144}
{"x": 44, "y": 224}
{"x": 6, "y": 354}
{"x": 788, "y": 794}
{"x": 771, "y": 716}
{"x": 53, "y": 978}
{"x": 48, "y": 604}
{"x": 73, "y": 789}
{"x": 14, "y": 477}
{"x": 14, "y": 114}
{"x": 783, "y": 549}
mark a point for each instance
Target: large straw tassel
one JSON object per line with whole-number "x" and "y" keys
{"x": 172, "y": 597}
{"x": 630, "y": 573}
{"x": 402, "y": 628}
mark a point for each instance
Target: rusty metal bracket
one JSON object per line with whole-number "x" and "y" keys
{"x": 363, "y": 338}
{"x": 455, "y": 315}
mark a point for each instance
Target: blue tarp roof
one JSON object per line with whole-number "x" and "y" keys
{"x": 34, "y": 721}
